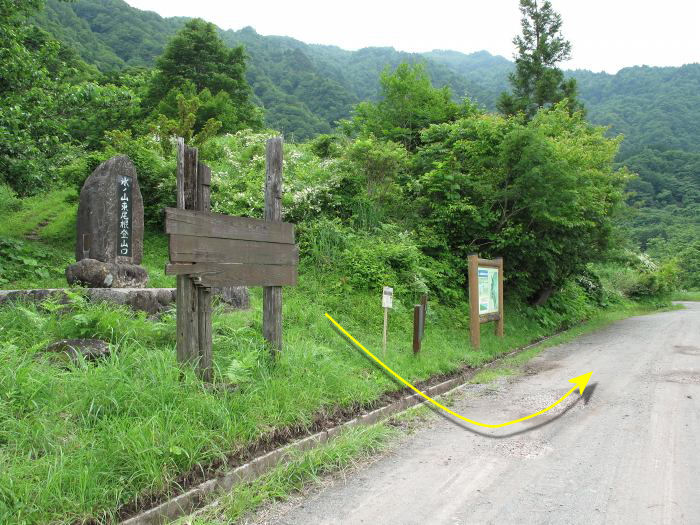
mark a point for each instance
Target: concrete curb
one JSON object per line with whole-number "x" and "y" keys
{"x": 194, "y": 498}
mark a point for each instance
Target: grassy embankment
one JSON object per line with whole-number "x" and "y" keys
{"x": 78, "y": 443}
{"x": 687, "y": 296}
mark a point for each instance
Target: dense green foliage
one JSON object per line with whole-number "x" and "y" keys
{"x": 665, "y": 215}
{"x": 543, "y": 194}
{"x": 197, "y": 65}
{"x": 414, "y": 179}
{"x": 537, "y": 80}
{"x": 651, "y": 106}
{"x": 305, "y": 88}
{"x": 409, "y": 103}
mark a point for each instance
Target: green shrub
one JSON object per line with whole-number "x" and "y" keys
{"x": 156, "y": 174}
{"x": 8, "y": 200}
{"x": 23, "y": 260}
{"x": 566, "y": 307}
{"x": 364, "y": 260}
{"x": 637, "y": 276}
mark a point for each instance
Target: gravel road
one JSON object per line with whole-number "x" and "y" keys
{"x": 628, "y": 451}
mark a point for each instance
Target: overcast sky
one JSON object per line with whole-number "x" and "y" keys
{"x": 606, "y": 35}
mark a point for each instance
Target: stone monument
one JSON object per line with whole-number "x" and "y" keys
{"x": 109, "y": 245}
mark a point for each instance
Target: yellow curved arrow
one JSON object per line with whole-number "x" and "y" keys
{"x": 580, "y": 382}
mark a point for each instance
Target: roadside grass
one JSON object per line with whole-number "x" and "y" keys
{"x": 77, "y": 443}
{"x": 305, "y": 469}
{"x": 302, "y": 470}
{"x": 44, "y": 227}
{"x": 491, "y": 374}
{"x": 689, "y": 295}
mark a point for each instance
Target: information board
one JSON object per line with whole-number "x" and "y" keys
{"x": 488, "y": 290}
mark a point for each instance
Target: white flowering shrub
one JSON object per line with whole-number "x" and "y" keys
{"x": 238, "y": 177}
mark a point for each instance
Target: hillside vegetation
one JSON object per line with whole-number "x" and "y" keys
{"x": 306, "y": 89}
{"x": 413, "y": 179}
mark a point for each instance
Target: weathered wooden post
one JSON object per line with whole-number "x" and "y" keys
{"x": 193, "y": 300}
{"x": 186, "y": 299}
{"x": 485, "y": 296}
{"x": 209, "y": 249}
{"x": 424, "y": 310}
{"x": 500, "y": 321}
{"x": 204, "y": 292}
{"x": 272, "y": 295}
{"x": 416, "y": 328}
{"x": 474, "y": 326}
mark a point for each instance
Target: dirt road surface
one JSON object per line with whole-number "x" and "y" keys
{"x": 628, "y": 451}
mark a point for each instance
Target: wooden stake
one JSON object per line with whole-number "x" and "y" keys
{"x": 474, "y": 321}
{"x": 416, "y": 329}
{"x": 203, "y": 201}
{"x": 424, "y": 311}
{"x": 501, "y": 309}
{"x": 186, "y": 298}
{"x": 272, "y": 295}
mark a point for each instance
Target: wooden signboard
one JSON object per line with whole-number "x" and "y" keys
{"x": 213, "y": 250}
{"x": 485, "y": 296}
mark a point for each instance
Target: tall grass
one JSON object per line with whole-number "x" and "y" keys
{"x": 78, "y": 442}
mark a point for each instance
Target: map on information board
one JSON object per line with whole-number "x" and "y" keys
{"x": 488, "y": 290}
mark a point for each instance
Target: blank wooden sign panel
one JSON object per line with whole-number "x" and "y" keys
{"x": 231, "y": 251}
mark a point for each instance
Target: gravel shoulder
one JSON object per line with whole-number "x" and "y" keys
{"x": 625, "y": 452}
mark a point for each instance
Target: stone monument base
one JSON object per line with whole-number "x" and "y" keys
{"x": 150, "y": 300}
{"x": 98, "y": 274}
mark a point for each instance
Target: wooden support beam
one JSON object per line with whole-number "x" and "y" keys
{"x": 501, "y": 307}
{"x": 203, "y": 204}
{"x": 416, "y": 328}
{"x": 218, "y": 274}
{"x": 474, "y": 321}
{"x": 192, "y": 249}
{"x": 272, "y": 295}
{"x": 424, "y": 311}
{"x": 192, "y": 222}
{"x": 186, "y": 297}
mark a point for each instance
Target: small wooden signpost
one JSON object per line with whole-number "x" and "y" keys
{"x": 209, "y": 249}
{"x": 387, "y": 303}
{"x": 485, "y": 296}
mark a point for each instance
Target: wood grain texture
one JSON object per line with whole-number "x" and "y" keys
{"x": 203, "y": 187}
{"x": 187, "y": 327}
{"x": 181, "y": 172}
{"x": 486, "y": 318}
{"x": 494, "y": 263}
{"x": 186, "y": 298}
{"x": 191, "y": 156}
{"x": 192, "y": 249}
{"x": 219, "y": 274}
{"x": 416, "y": 329}
{"x": 204, "y": 368}
{"x": 204, "y": 339}
{"x": 272, "y": 295}
{"x": 191, "y": 222}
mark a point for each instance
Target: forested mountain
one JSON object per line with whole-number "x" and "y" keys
{"x": 305, "y": 89}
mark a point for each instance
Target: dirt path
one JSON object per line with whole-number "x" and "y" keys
{"x": 627, "y": 452}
